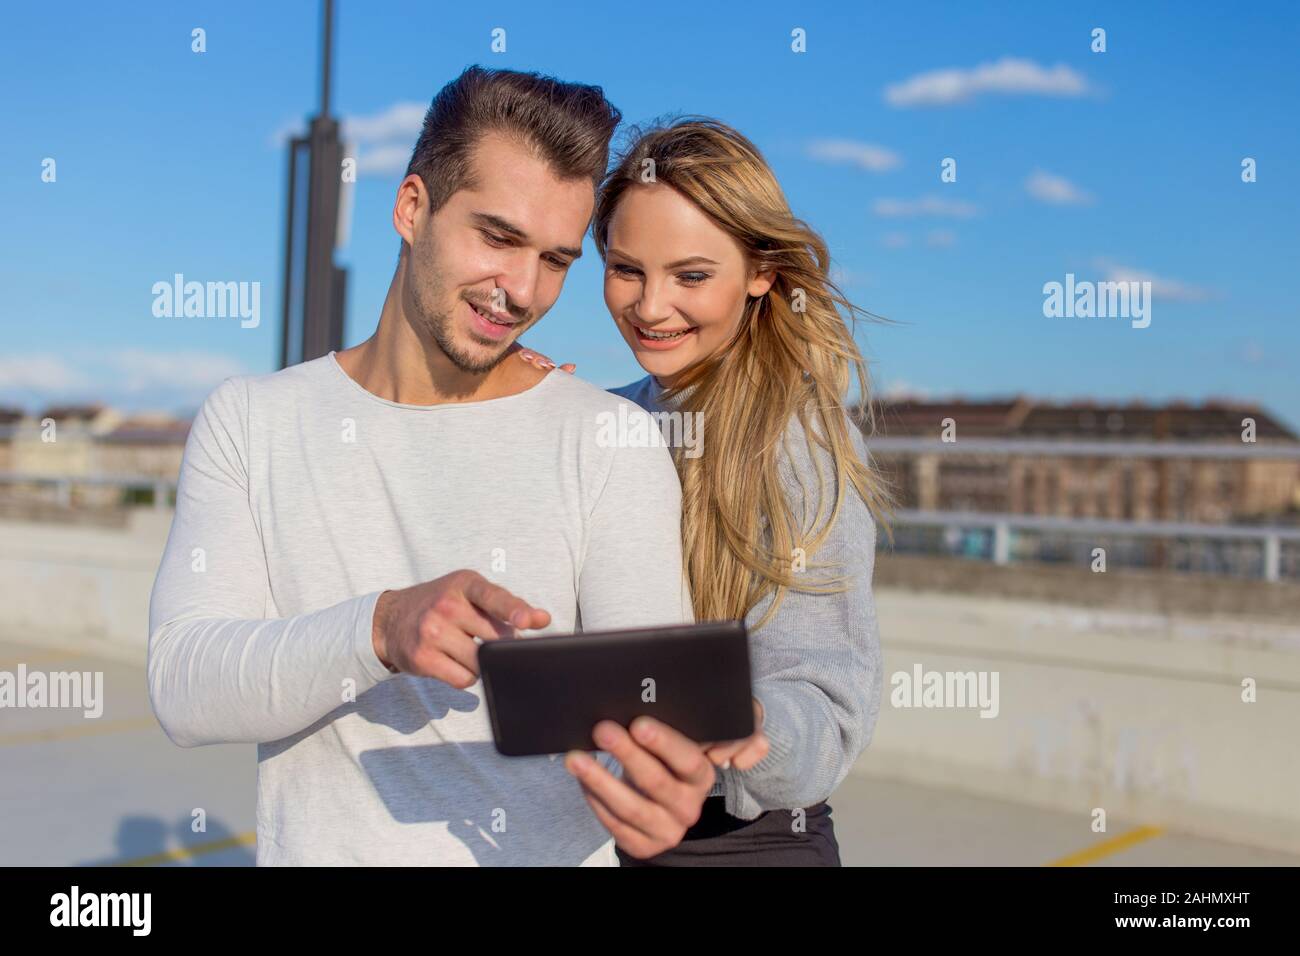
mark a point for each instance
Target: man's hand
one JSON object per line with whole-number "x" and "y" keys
{"x": 429, "y": 629}
{"x": 669, "y": 776}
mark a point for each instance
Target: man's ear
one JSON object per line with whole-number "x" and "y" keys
{"x": 412, "y": 200}
{"x": 761, "y": 283}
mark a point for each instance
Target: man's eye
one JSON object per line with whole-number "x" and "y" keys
{"x": 495, "y": 240}
{"x": 557, "y": 262}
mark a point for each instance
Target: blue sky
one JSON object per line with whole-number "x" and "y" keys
{"x": 1125, "y": 163}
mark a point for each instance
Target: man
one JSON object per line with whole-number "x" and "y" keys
{"x": 347, "y": 527}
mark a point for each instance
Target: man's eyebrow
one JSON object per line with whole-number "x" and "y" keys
{"x": 688, "y": 261}
{"x": 496, "y": 222}
{"x": 502, "y": 225}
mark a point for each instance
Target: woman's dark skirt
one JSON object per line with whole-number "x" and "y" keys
{"x": 719, "y": 839}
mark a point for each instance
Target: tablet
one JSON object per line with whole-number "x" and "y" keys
{"x": 545, "y": 694}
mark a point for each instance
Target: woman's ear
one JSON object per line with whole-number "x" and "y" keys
{"x": 761, "y": 283}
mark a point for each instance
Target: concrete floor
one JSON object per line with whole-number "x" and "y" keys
{"x": 114, "y": 789}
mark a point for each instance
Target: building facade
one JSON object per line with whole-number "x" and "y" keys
{"x": 1117, "y": 486}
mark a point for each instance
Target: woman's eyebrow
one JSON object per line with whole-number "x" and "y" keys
{"x": 623, "y": 255}
{"x": 688, "y": 261}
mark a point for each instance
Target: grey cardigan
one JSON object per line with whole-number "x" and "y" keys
{"x": 816, "y": 663}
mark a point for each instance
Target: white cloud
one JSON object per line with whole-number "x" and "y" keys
{"x": 1171, "y": 290}
{"x": 383, "y": 161}
{"x": 1055, "y": 189}
{"x": 1007, "y": 76}
{"x": 875, "y": 159}
{"x": 941, "y": 238}
{"x": 125, "y": 377}
{"x": 895, "y": 240}
{"x": 33, "y": 372}
{"x": 380, "y": 142}
{"x": 925, "y": 206}
{"x": 138, "y": 370}
{"x": 401, "y": 121}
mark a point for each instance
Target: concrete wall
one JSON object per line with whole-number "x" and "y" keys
{"x": 81, "y": 586}
{"x": 1135, "y": 710}
{"x": 1158, "y": 592}
{"x": 1136, "y": 713}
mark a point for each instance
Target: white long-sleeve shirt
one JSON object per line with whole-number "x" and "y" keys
{"x": 301, "y": 498}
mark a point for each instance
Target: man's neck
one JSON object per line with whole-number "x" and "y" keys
{"x": 399, "y": 365}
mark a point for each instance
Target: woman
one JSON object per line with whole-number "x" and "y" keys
{"x": 725, "y": 300}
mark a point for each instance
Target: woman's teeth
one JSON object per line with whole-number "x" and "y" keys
{"x": 662, "y": 335}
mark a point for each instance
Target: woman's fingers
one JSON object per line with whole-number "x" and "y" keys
{"x": 721, "y": 756}
{"x": 742, "y": 754}
{"x": 538, "y": 360}
{"x": 755, "y": 749}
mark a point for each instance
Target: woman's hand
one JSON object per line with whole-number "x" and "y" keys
{"x": 741, "y": 754}
{"x": 538, "y": 360}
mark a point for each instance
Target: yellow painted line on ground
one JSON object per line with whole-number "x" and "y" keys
{"x": 39, "y": 659}
{"x": 89, "y": 728}
{"x": 1107, "y": 847}
{"x": 1090, "y": 855}
{"x": 189, "y": 852}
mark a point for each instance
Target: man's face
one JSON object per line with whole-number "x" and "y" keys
{"x": 492, "y": 260}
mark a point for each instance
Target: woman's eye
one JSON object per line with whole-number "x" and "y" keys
{"x": 623, "y": 270}
{"x": 692, "y": 278}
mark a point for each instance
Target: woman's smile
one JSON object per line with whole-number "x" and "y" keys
{"x": 661, "y": 339}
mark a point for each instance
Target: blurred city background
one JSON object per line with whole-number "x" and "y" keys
{"x": 1106, "y": 516}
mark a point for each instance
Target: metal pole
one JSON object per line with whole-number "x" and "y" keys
{"x": 313, "y": 306}
{"x": 325, "y": 59}
{"x": 286, "y": 321}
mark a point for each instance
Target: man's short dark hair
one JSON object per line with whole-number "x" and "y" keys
{"x": 569, "y": 125}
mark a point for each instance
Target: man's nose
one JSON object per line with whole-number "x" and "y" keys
{"x": 519, "y": 284}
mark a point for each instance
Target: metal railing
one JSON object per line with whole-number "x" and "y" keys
{"x": 1064, "y": 448}
{"x": 1270, "y": 554}
{"x": 163, "y": 489}
{"x": 1267, "y": 553}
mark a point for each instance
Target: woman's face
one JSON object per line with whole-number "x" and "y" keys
{"x": 675, "y": 283}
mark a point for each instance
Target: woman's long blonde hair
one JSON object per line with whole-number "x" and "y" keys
{"x": 792, "y": 356}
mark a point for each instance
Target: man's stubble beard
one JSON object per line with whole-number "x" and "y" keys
{"x": 428, "y": 289}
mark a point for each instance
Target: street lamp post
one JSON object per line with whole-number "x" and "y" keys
{"x": 314, "y": 287}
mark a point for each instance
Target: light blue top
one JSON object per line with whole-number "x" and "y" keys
{"x": 816, "y": 663}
